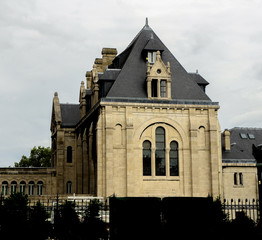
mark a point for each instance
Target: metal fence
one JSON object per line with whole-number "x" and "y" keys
{"x": 250, "y": 208}
{"x": 80, "y": 204}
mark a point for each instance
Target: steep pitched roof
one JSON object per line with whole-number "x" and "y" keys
{"x": 131, "y": 81}
{"x": 242, "y": 140}
{"x": 70, "y": 114}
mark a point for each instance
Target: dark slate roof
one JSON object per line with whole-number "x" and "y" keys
{"x": 70, "y": 114}
{"x": 109, "y": 74}
{"x": 131, "y": 81}
{"x": 198, "y": 79}
{"x": 241, "y": 148}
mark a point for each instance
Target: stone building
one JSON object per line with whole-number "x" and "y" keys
{"x": 240, "y": 175}
{"x": 144, "y": 126}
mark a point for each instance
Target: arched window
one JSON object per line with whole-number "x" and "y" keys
{"x": 22, "y": 187}
{"x": 4, "y": 188}
{"x": 173, "y": 159}
{"x": 13, "y": 187}
{"x": 31, "y": 186}
{"x": 147, "y": 158}
{"x": 39, "y": 188}
{"x": 160, "y": 161}
{"x": 69, "y": 187}
{"x": 69, "y": 154}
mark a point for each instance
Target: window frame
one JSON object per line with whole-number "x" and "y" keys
{"x": 166, "y": 172}
{"x": 13, "y": 187}
{"x": 147, "y": 161}
{"x": 4, "y": 188}
{"x": 31, "y": 188}
{"x": 69, "y": 187}
{"x": 22, "y": 187}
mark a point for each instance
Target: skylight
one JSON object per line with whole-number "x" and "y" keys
{"x": 251, "y": 136}
{"x": 243, "y": 135}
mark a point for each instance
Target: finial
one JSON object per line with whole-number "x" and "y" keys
{"x": 146, "y": 21}
{"x": 197, "y": 71}
{"x": 56, "y": 94}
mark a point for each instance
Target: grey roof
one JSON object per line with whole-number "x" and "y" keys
{"x": 198, "y": 79}
{"x": 70, "y": 114}
{"x": 241, "y": 148}
{"x": 109, "y": 74}
{"x": 131, "y": 81}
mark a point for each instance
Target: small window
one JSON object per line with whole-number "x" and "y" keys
{"x": 240, "y": 178}
{"x": 69, "y": 187}
{"x": 154, "y": 88}
{"x": 173, "y": 159}
{"x": 151, "y": 57}
{"x": 251, "y": 136}
{"x": 235, "y": 179}
{"x": 243, "y": 135}
{"x": 69, "y": 154}
{"x": 22, "y": 187}
{"x": 146, "y": 158}
{"x": 4, "y": 188}
{"x": 163, "y": 89}
{"x": 31, "y": 186}
{"x": 39, "y": 188}
{"x": 13, "y": 187}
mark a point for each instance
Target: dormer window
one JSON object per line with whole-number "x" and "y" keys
{"x": 158, "y": 78}
{"x": 151, "y": 56}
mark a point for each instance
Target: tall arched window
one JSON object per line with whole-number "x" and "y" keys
{"x": 173, "y": 159}
{"x": 69, "y": 187}
{"x": 39, "y": 188}
{"x": 13, "y": 187}
{"x": 147, "y": 158}
{"x": 4, "y": 188}
{"x": 31, "y": 186}
{"x": 69, "y": 154}
{"x": 160, "y": 161}
{"x": 22, "y": 187}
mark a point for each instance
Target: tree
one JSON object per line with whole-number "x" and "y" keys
{"x": 39, "y": 157}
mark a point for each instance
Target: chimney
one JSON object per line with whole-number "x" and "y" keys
{"x": 108, "y": 55}
{"x": 226, "y": 138}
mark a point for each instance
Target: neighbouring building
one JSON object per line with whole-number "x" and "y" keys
{"x": 240, "y": 172}
{"x": 143, "y": 126}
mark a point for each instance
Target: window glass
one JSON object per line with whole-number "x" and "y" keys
{"x": 31, "y": 186}
{"x": 4, "y": 188}
{"x": 151, "y": 56}
{"x": 163, "y": 88}
{"x": 173, "y": 159}
{"x": 13, "y": 187}
{"x": 235, "y": 178}
{"x": 160, "y": 160}
{"x": 69, "y": 154}
{"x": 39, "y": 188}
{"x": 22, "y": 187}
{"x": 146, "y": 158}
{"x": 69, "y": 187}
{"x": 240, "y": 178}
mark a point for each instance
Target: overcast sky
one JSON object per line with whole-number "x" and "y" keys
{"x": 47, "y": 46}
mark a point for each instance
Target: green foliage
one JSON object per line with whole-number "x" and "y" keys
{"x": 92, "y": 212}
{"x": 39, "y": 157}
